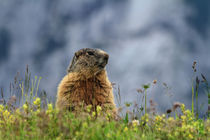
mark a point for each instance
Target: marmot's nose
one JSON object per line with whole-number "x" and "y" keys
{"x": 106, "y": 57}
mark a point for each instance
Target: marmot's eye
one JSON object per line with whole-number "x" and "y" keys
{"x": 90, "y": 53}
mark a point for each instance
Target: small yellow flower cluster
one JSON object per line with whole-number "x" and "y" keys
{"x": 37, "y": 111}
{"x": 85, "y": 125}
{"x": 79, "y": 134}
{"x": 135, "y": 123}
{"x": 125, "y": 129}
{"x": 25, "y": 107}
{"x": 160, "y": 122}
{"x": 207, "y": 126}
{"x": 6, "y": 115}
{"x": 17, "y": 111}
{"x": 49, "y": 109}
{"x": 170, "y": 120}
{"x": 108, "y": 116}
{"x": 1, "y": 108}
{"x": 93, "y": 114}
{"x": 37, "y": 102}
{"x": 108, "y": 135}
{"x": 183, "y": 107}
{"x": 88, "y": 108}
{"x": 145, "y": 118}
{"x": 185, "y": 126}
{"x": 98, "y": 109}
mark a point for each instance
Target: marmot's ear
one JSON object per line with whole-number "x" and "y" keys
{"x": 71, "y": 66}
{"x": 77, "y": 54}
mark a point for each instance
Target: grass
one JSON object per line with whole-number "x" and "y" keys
{"x": 33, "y": 117}
{"x": 33, "y": 122}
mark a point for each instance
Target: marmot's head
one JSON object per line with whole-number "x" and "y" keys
{"x": 88, "y": 60}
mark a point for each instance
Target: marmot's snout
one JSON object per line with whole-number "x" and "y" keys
{"x": 104, "y": 59}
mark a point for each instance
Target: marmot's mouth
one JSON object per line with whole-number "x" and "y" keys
{"x": 102, "y": 66}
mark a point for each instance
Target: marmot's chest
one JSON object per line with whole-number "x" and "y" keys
{"x": 92, "y": 91}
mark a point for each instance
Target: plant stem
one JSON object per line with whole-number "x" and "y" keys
{"x": 192, "y": 99}
{"x": 196, "y": 97}
{"x": 145, "y": 107}
{"x": 208, "y": 105}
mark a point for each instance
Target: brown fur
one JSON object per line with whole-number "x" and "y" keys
{"x": 86, "y": 82}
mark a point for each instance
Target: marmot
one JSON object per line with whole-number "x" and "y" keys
{"x": 86, "y": 82}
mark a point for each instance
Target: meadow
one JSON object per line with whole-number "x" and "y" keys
{"x": 28, "y": 114}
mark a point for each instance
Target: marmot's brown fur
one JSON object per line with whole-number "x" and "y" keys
{"x": 86, "y": 82}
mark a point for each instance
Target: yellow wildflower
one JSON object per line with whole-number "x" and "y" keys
{"x": 89, "y": 117}
{"x": 176, "y": 133}
{"x": 6, "y": 114}
{"x": 89, "y": 107}
{"x": 25, "y": 107}
{"x": 85, "y": 125}
{"x": 37, "y": 111}
{"x": 108, "y": 135}
{"x": 125, "y": 129}
{"x": 11, "y": 118}
{"x": 77, "y": 133}
{"x": 190, "y": 136}
{"x": 50, "y": 107}
{"x": 183, "y": 107}
{"x": 93, "y": 114}
{"x": 37, "y": 101}
{"x": 157, "y": 118}
{"x": 170, "y": 119}
{"x": 163, "y": 115}
{"x": 183, "y": 118}
{"x": 135, "y": 123}
{"x": 1, "y": 108}
{"x": 18, "y": 111}
{"x": 98, "y": 109}
{"x": 135, "y": 129}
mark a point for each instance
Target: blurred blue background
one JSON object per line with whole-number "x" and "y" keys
{"x": 146, "y": 40}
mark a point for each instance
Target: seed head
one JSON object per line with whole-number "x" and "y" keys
{"x": 204, "y": 78}
{"x": 176, "y": 105}
{"x": 197, "y": 80}
{"x": 154, "y": 82}
{"x": 194, "y": 66}
{"x": 168, "y": 111}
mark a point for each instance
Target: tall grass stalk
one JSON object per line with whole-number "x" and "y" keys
{"x": 22, "y": 91}
{"x": 196, "y": 96}
{"x": 145, "y": 94}
{"x": 208, "y": 112}
{"x": 208, "y": 93}
{"x": 192, "y": 99}
{"x": 29, "y": 87}
{"x": 193, "y": 92}
{"x": 37, "y": 88}
{"x": 145, "y": 107}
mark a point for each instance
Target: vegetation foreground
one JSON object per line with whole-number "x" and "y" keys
{"x": 31, "y": 122}
{"x": 32, "y": 117}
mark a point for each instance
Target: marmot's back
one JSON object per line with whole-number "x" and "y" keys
{"x": 86, "y": 82}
